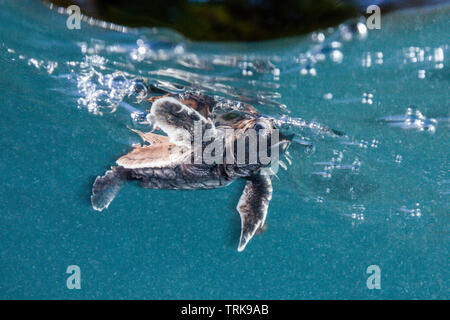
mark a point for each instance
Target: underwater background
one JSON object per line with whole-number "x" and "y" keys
{"x": 377, "y": 196}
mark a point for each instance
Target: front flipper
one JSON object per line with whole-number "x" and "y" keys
{"x": 253, "y": 206}
{"x": 177, "y": 120}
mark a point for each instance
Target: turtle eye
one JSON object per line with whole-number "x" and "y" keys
{"x": 260, "y": 126}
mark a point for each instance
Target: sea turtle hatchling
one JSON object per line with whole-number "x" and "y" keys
{"x": 166, "y": 162}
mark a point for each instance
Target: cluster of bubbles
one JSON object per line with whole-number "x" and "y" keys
{"x": 100, "y": 90}
{"x": 426, "y": 57}
{"x": 330, "y": 45}
{"x": 418, "y": 54}
{"x": 39, "y": 64}
{"x": 367, "y": 98}
{"x": 146, "y": 51}
{"x": 102, "y": 86}
{"x": 412, "y": 119}
{"x": 368, "y": 57}
{"x": 414, "y": 212}
{"x": 357, "y": 212}
{"x": 335, "y": 163}
{"x": 362, "y": 143}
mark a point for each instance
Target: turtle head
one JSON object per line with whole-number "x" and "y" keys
{"x": 275, "y": 138}
{"x": 263, "y": 143}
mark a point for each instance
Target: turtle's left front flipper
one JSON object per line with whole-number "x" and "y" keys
{"x": 253, "y": 206}
{"x": 177, "y": 120}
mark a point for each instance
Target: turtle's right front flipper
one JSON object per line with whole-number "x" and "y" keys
{"x": 105, "y": 188}
{"x": 253, "y": 206}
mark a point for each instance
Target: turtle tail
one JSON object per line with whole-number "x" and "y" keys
{"x": 105, "y": 188}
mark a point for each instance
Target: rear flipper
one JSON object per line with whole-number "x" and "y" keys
{"x": 105, "y": 188}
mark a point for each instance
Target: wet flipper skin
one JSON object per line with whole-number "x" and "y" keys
{"x": 105, "y": 188}
{"x": 253, "y": 206}
{"x": 177, "y": 120}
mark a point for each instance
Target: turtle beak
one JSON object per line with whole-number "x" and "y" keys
{"x": 285, "y": 141}
{"x": 286, "y": 137}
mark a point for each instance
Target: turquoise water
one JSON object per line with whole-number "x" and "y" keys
{"x": 378, "y": 196}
